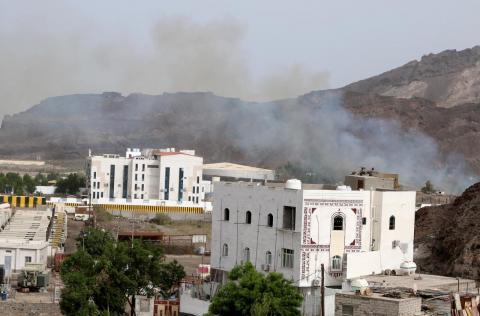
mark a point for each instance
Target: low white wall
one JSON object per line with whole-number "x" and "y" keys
{"x": 365, "y": 263}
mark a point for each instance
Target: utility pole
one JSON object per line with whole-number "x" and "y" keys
{"x": 322, "y": 293}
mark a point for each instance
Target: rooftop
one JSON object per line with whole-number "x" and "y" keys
{"x": 27, "y": 225}
{"x": 421, "y": 281}
{"x": 233, "y": 166}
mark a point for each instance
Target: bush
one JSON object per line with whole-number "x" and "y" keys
{"x": 161, "y": 219}
{"x": 102, "y": 215}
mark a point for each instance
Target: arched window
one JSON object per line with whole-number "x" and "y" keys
{"x": 226, "y": 214}
{"x": 268, "y": 257}
{"x": 225, "y": 250}
{"x": 270, "y": 220}
{"x": 246, "y": 254}
{"x": 336, "y": 263}
{"x": 248, "y": 217}
{"x": 391, "y": 223}
{"x": 338, "y": 223}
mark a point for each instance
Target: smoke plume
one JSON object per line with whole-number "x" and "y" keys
{"x": 327, "y": 140}
{"x": 70, "y": 54}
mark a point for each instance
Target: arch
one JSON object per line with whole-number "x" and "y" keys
{"x": 246, "y": 254}
{"x": 225, "y": 250}
{"x": 336, "y": 263}
{"x": 248, "y": 217}
{"x": 268, "y": 257}
{"x": 391, "y": 223}
{"x": 270, "y": 220}
{"x": 338, "y": 222}
{"x": 226, "y": 214}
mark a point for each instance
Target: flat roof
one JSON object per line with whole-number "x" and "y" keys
{"x": 422, "y": 281}
{"x": 377, "y": 296}
{"x": 27, "y": 225}
{"x": 233, "y": 166}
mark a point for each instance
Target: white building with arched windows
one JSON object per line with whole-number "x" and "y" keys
{"x": 293, "y": 228}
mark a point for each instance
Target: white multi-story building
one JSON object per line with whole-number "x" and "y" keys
{"x": 159, "y": 174}
{"x": 293, "y": 229}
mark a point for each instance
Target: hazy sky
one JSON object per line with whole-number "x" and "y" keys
{"x": 257, "y": 50}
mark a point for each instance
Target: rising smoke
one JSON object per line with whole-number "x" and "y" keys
{"x": 70, "y": 54}
{"x": 179, "y": 54}
{"x": 323, "y": 137}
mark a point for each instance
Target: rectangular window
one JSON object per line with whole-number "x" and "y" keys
{"x": 143, "y": 177}
{"x": 94, "y": 174}
{"x": 125, "y": 181}
{"x": 102, "y": 195}
{"x": 364, "y": 221}
{"x": 167, "y": 182}
{"x": 180, "y": 184}
{"x": 289, "y": 217}
{"x": 347, "y": 310}
{"x": 136, "y": 186}
{"x": 143, "y": 187}
{"x": 287, "y": 258}
{"x": 112, "y": 181}
{"x": 136, "y": 167}
{"x": 142, "y": 196}
{"x": 196, "y": 200}
{"x": 198, "y": 179}
{"x": 28, "y": 259}
{"x": 136, "y": 177}
{"x": 189, "y": 198}
{"x": 152, "y": 166}
{"x": 143, "y": 167}
{"x": 135, "y": 196}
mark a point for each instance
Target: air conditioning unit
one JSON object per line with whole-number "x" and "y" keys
{"x": 316, "y": 282}
{"x": 266, "y": 267}
{"x": 395, "y": 243}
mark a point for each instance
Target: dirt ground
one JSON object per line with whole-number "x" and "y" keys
{"x": 189, "y": 262}
{"x": 73, "y": 230}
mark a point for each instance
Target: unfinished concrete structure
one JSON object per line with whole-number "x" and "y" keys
{"x": 372, "y": 180}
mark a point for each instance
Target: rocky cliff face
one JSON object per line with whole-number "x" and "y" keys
{"x": 448, "y": 238}
{"x": 449, "y": 78}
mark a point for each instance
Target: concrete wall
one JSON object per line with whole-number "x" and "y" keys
{"x": 366, "y": 263}
{"x": 378, "y": 306}
{"x": 17, "y": 254}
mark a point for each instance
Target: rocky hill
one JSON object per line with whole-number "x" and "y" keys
{"x": 326, "y": 132}
{"x": 449, "y": 78}
{"x": 447, "y": 236}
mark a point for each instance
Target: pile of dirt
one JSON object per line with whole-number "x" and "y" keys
{"x": 447, "y": 237}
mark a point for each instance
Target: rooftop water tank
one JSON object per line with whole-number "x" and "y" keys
{"x": 344, "y": 188}
{"x": 359, "y": 284}
{"x": 293, "y": 184}
{"x": 408, "y": 267}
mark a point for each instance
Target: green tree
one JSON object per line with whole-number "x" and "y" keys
{"x": 249, "y": 292}
{"x": 428, "y": 188}
{"x": 28, "y": 183}
{"x": 104, "y": 275}
{"x": 15, "y": 183}
{"x": 40, "y": 179}
{"x": 71, "y": 184}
